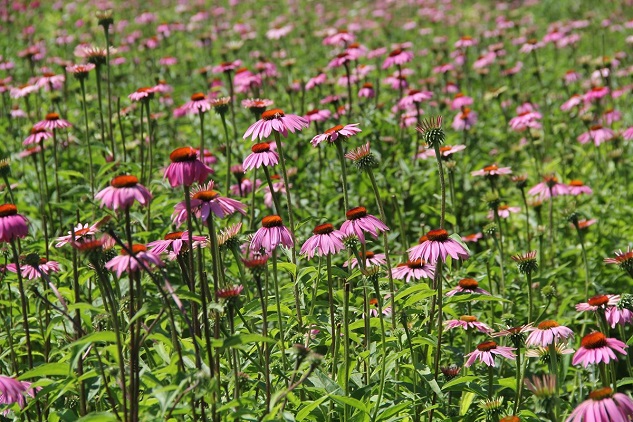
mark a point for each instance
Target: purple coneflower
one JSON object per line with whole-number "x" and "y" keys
{"x": 186, "y": 168}
{"x": 204, "y": 201}
{"x": 371, "y": 258}
{"x": 125, "y": 262}
{"x": 367, "y": 91}
{"x": 122, "y": 193}
{"x": 397, "y": 57}
{"x": 546, "y": 333}
{"x": 14, "y": 391}
{"x": 549, "y": 187}
{"x": 12, "y": 224}
{"x": 35, "y": 269}
{"x": 603, "y": 405}
{"x": 435, "y": 245}
{"x": 445, "y": 151}
{"x": 337, "y": 132}
{"x": 272, "y": 234}
{"x": 577, "y": 187}
{"x": 413, "y": 270}
{"x": 596, "y": 348}
{"x": 52, "y": 121}
{"x": 464, "y": 120}
{"x": 142, "y": 94}
{"x": 175, "y": 242}
{"x": 325, "y": 241}
{"x": 504, "y": 211}
{"x": 467, "y": 285}
{"x": 278, "y": 121}
{"x": 358, "y": 222}
{"x": 317, "y": 115}
{"x": 597, "y": 134}
{"x": 36, "y": 136}
{"x": 261, "y": 156}
{"x": 492, "y": 171}
{"x": 198, "y": 104}
{"x": 468, "y": 322}
{"x": 81, "y": 231}
{"x": 486, "y": 352}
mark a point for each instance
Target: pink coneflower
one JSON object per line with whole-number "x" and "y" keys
{"x": 81, "y": 231}
{"x": 396, "y": 82}
{"x": 316, "y": 81}
{"x": 358, "y": 222}
{"x": 339, "y": 60}
{"x": 576, "y": 187}
{"x": 341, "y": 37}
{"x": 22, "y": 91}
{"x": 486, "y": 352}
{"x": 465, "y": 42}
{"x": 367, "y": 91}
{"x": 445, "y": 151}
{"x": 413, "y": 97}
{"x": 317, "y": 115}
{"x": 257, "y": 105}
{"x": 36, "y": 136}
{"x": 142, "y": 94}
{"x": 52, "y": 121}
{"x": 278, "y": 121}
{"x": 573, "y": 102}
{"x": 226, "y": 67}
{"x": 34, "y": 270}
{"x": 162, "y": 87}
{"x": 198, "y": 104}
{"x": 80, "y": 71}
{"x": 413, "y": 270}
{"x": 549, "y": 187}
{"x": 492, "y": 171}
{"x": 261, "y": 156}
{"x": 597, "y": 134}
{"x": 325, "y": 241}
{"x": 546, "y": 333}
{"x": 17, "y": 113}
{"x": 204, "y": 201}
{"x": 337, "y": 132}
{"x": 371, "y": 258}
{"x": 438, "y": 245}
{"x": 122, "y": 193}
{"x": 627, "y": 135}
{"x": 475, "y": 237}
{"x": 526, "y": 120}
{"x": 596, "y": 93}
{"x": 245, "y": 187}
{"x": 279, "y": 32}
{"x": 126, "y": 263}
{"x": 467, "y": 286}
{"x": 603, "y": 405}
{"x": 175, "y": 242}
{"x": 12, "y": 224}
{"x": 584, "y": 224}
{"x": 543, "y": 387}
{"x": 50, "y": 81}
{"x": 598, "y": 302}
{"x": 611, "y": 116}
{"x": 460, "y": 101}
{"x": 272, "y": 234}
{"x": 468, "y": 322}
{"x": 14, "y": 391}
{"x": 465, "y": 120}
{"x": 229, "y": 293}
{"x": 397, "y": 57}
{"x": 596, "y": 348}
{"x": 30, "y": 151}
{"x": 185, "y": 168}
{"x": 504, "y": 211}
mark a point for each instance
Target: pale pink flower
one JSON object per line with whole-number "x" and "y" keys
{"x": 598, "y": 348}
{"x": 546, "y": 333}
{"x": 275, "y": 120}
{"x": 486, "y": 352}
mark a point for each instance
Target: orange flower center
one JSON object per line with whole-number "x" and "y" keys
{"x": 35, "y": 131}
{"x": 173, "y": 236}
{"x": 52, "y": 116}
{"x": 487, "y": 346}
{"x": 446, "y": 148}
{"x": 7, "y": 210}
{"x": 369, "y": 255}
{"x": 548, "y": 324}
{"x": 274, "y": 113}
{"x": 136, "y": 248}
{"x": 468, "y": 283}
{"x": 368, "y": 85}
{"x": 599, "y": 300}
{"x": 323, "y": 229}
{"x": 395, "y": 52}
{"x": 503, "y": 207}
{"x": 125, "y": 181}
{"x": 493, "y": 167}
{"x": 198, "y": 96}
{"x": 422, "y": 239}
{"x": 262, "y": 147}
{"x": 418, "y": 263}
{"x": 595, "y": 127}
{"x": 468, "y": 318}
{"x": 373, "y": 301}
{"x": 145, "y": 89}
{"x": 356, "y": 213}
{"x": 439, "y": 235}
{"x": 594, "y": 340}
{"x": 334, "y": 129}
{"x": 81, "y": 232}
{"x": 272, "y": 221}
{"x": 183, "y": 155}
{"x": 206, "y": 195}
{"x": 576, "y": 183}
{"x": 601, "y": 394}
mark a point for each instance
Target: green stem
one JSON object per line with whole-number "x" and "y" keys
{"x": 341, "y": 156}
{"x": 328, "y": 261}
{"x": 228, "y": 154}
{"x": 383, "y": 347}
{"x": 553, "y": 360}
{"x": 530, "y": 298}
{"x": 279, "y": 316}
{"x": 87, "y": 137}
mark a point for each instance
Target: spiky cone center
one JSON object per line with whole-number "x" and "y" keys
{"x": 551, "y": 181}
{"x": 7, "y": 210}
{"x": 468, "y": 284}
{"x": 415, "y": 264}
{"x": 368, "y": 85}
{"x": 576, "y": 183}
{"x": 82, "y": 232}
{"x": 272, "y": 221}
{"x": 334, "y": 129}
{"x": 493, "y": 167}
{"x": 173, "y": 236}
{"x": 228, "y": 293}
{"x": 356, "y": 213}
{"x": 599, "y": 300}
{"x": 261, "y": 148}
{"x": 88, "y": 246}
{"x": 369, "y": 255}
{"x": 594, "y": 340}
{"x": 36, "y": 131}
{"x": 601, "y": 394}
{"x": 595, "y": 128}
{"x": 438, "y": 235}
{"x": 147, "y": 89}
{"x": 206, "y": 195}
{"x": 422, "y": 239}
{"x": 468, "y": 318}
{"x": 487, "y": 346}
{"x": 271, "y": 114}
{"x": 52, "y": 116}
{"x": 125, "y": 181}
{"x": 373, "y": 301}
{"x": 256, "y": 264}
{"x": 326, "y": 228}
{"x": 395, "y": 52}
{"x": 198, "y": 96}
{"x": 183, "y": 155}
{"x": 548, "y": 324}
{"x": 450, "y": 372}
{"x": 136, "y": 248}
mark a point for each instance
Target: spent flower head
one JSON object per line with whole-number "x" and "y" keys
{"x": 362, "y": 157}
{"x": 431, "y": 131}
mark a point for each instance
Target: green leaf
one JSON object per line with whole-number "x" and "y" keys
{"x": 48, "y": 369}
{"x": 465, "y": 402}
{"x": 458, "y": 381}
{"x": 307, "y": 410}
{"x": 356, "y": 404}
{"x": 98, "y": 417}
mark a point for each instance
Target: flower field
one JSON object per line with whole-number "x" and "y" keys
{"x": 393, "y": 210}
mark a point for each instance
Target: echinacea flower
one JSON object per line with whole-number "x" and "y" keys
{"x": 126, "y": 263}
{"x": 371, "y": 259}
{"x": 80, "y": 232}
{"x": 204, "y": 201}
{"x": 472, "y": 238}
{"x": 36, "y": 136}
{"x": 80, "y": 71}
{"x": 624, "y": 260}
{"x": 492, "y": 171}
{"x": 34, "y": 266}
{"x": 261, "y": 156}
{"x": 317, "y": 115}
{"x": 548, "y": 188}
{"x": 467, "y": 285}
{"x": 326, "y": 240}
{"x": 597, "y": 134}
{"x": 175, "y": 242}
{"x": 198, "y": 104}
{"x": 464, "y": 120}
{"x": 503, "y": 211}
{"x": 576, "y": 187}
{"x": 338, "y": 132}
{"x": 142, "y": 94}
{"x": 542, "y": 387}
{"x": 275, "y": 120}
{"x": 12, "y": 224}
{"x": 603, "y": 405}
{"x": 596, "y": 348}
{"x": 468, "y": 322}
{"x": 397, "y": 57}
{"x": 413, "y": 270}
{"x": 52, "y": 121}
{"x": 229, "y": 293}
{"x": 544, "y": 353}
{"x": 598, "y": 302}
{"x": 358, "y": 222}
{"x": 486, "y": 352}
{"x": 546, "y": 333}
{"x": 438, "y": 245}
{"x": 445, "y": 151}
{"x": 14, "y": 391}
{"x": 272, "y": 234}
{"x": 122, "y": 193}
{"x": 185, "y": 168}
